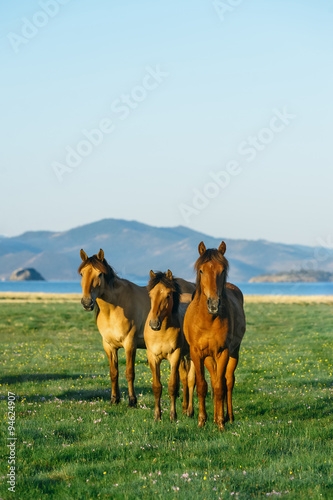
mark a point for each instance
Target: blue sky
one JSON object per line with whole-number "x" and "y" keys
{"x": 182, "y": 93}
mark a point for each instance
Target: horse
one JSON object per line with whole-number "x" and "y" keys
{"x": 121, "y": 309}
{"x": 165, "y": 339}
{"x": 214, "y": 326}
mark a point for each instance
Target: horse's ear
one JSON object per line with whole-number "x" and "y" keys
{"x": 152, "y": 275}
{"x": 222, "y": 248}
{"x": 83, "y": 255}
{"x": 169, "y": 274}
{"x": 100, "y": 255}
{"x": 201, "y": 248}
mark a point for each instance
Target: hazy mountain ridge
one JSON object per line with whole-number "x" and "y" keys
{"x": 133, "y": 248}
{"x": 294, "y": 277}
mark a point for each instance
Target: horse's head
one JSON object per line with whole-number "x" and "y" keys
{"x": 212, "y": 268}
{"x": 164, "y": 293}
{"x": 96, "y": 273}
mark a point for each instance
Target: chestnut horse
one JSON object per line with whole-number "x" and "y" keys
{"x": 214, "y": 327}
{"x": 165, "y": 339}
{"x": 121, "y": 311}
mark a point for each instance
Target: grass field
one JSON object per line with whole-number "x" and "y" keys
{"x": 72, "y": 444}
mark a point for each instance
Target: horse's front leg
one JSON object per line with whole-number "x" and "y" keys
{"x": 130, "y": 352}
{"x": 154, "y": 364}
{"x": 112, "y": 354}
{"x": 210, "y": 364}
{"x": 230, "y": 382}
{"x": 219, "y": 388}
{"x": 191, "y": 385}
{"x": 173, "y": 384}
{"x": 201, "y": 386}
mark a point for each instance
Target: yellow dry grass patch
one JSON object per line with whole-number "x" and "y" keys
{"x": 249, "y": 299}
{"x": 39, "y": 297}
{"x": 289, "y": 299}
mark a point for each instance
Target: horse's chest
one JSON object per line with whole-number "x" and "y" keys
{"x": 114, "y": 328}
{"x": 212, "y": 341}
{"x": 161, "y": 343}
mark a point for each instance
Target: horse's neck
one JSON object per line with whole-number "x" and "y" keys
{"x": 170, "y": 321}
{"x": 112, "y": 296}
{"x": 124, "y": 296}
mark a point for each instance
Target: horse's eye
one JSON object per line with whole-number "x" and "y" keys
{"x": 201, "y": 271}
{"x": 100, "y": 275}
{"x": 168, "y": 296}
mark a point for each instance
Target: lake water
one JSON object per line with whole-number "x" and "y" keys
{"x": 247, "y": 288}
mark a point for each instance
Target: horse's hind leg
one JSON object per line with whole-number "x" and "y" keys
{"x": 112, "y": 354}
{"x": 230, "y": 382}
{"x": 130, "y": 374}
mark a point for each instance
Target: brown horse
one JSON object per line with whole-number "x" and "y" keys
{"x": 165, "y": 339}
{"x": 121, "y": 311}
{"x": 214, "y": 327}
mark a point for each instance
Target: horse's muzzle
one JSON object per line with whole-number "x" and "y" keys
{"x": 155, "y": 324}
{"x": 88, "y": 304}
{"x": 213, "y": 305}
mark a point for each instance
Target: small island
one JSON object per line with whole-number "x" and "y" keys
{"x": 28, "y": 274}
{"x": 301, "y": 276}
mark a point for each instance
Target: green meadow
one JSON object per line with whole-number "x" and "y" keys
{"x": 71, "y": 443}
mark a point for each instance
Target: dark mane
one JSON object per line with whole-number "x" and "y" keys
{"x": 211, "y": 254}
{"x": 101, "y": 266}
{"x": 169, "y": 283}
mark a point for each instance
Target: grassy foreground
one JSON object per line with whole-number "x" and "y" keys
{"x": 72, "y": 444}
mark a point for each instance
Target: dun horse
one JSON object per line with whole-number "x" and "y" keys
{"x": 165, "y": 340}
{"x": 214, "y": 327}
{"x": 122, "y": 308}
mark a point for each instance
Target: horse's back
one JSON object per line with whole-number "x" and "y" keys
{"x": 185, "y": 298}
{"x": 185, "y": 286}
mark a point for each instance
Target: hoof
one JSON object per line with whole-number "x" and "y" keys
{"x": 157, "y": 418}
{"x": 132, "y": 402}
{"x": 115, "y": 400}
{"x": 220, "y": 425}
{"x": 190, "y": 413}
{"x": 202, "y": 422}
{"x": 229, "y": 419}
{"x": 173, "y": 417}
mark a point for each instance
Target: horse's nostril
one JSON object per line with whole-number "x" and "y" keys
{"x": 213, "y": 305}
{"x": 87, "y": 303}
{"x": 155, "y": 325}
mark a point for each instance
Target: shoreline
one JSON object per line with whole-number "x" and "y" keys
{"x": 32, "y": 297}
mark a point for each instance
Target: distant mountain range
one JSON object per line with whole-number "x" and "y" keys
{"x": 132, "y": 249}
{"x": 294, "y": 277}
